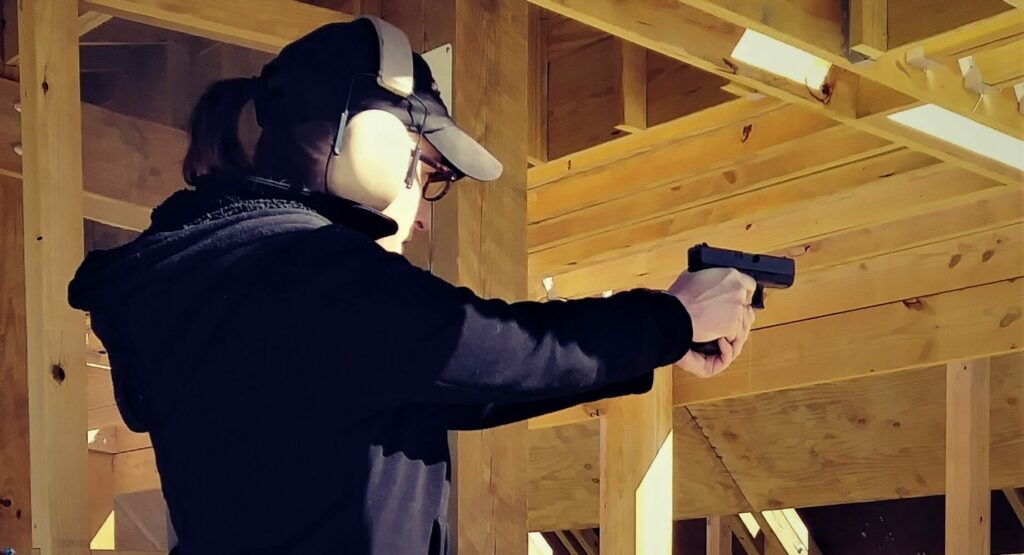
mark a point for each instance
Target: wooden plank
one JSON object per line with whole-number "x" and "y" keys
{"x": 968, "y": 501}
{"x": 538, "y": 91}
{"x": 1002, "y": 65}
{"x": 127, "y": 159}
{"x": 869, "y": 27}
{"x": 116, "y": 213}
{"x": 565, "y": 476}
{"x": 778, "y": 217}
{"x": 101, "y": 489}
{"x": 857, "y": 440}
{"x": 52, "y": 167}
{"x": 15, "y": 506}
{"x": 754, "y": 221}
{"x": 999, "y": 208}
{"x": 719, "y": 536}
{"x": 914, "y": 333}
{"x": 622, "y": 147}
{"x": 927, "y": 270}
{"x": 1015, "y": 497}
{"x": 704, "y": 41}
{"x": 584, "y": 98}
{"x": 742, "y": 534}
{"x": 673, "y": 161}
{"x": 816, "y": 26}
{"x": 633, "y": 60}
{"x": 911, "y": 21}
{"x": 479, "y": 241}
{"x": 135, "y": 471}
{"x": 675, "y": 191}
{"x": 268, "y": 25}
{"x": 636, "y": 472}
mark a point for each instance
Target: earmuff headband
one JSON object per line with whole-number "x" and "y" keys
{"x": 395, "y": 73}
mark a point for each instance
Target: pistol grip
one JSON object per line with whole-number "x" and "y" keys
{"x": 757, "y": 301}
{"x": 710, "y": 348}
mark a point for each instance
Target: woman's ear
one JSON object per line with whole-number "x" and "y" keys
{"x": 373, "y": 160}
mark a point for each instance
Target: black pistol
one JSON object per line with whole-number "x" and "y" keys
{"x": 777, "y": 272}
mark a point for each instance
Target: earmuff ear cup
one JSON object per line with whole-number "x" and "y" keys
{"x": 373, "y": 160}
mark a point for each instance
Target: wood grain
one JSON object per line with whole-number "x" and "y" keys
{"x": 54, "y": 243}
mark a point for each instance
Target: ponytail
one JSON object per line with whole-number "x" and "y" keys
{"x": 214, "y": 144}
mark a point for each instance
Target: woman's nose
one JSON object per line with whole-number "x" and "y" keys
{"x": 423, "y": 217}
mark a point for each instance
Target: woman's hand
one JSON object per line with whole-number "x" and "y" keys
{"x": 718, "y": 301}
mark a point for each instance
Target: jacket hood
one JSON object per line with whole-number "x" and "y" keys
{"x": 150, "y": 299}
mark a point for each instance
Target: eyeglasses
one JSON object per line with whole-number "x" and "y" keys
{"x": 439, "y": 181}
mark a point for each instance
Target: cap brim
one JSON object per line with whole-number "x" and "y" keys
{"x": 465, "y": 155}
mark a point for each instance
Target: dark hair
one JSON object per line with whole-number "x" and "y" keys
{"x": 294, "y": 153}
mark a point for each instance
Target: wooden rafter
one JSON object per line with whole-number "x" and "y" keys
{"x": 816, "y": 26}
{"x": 705, "y": 41}
{"x": 267, "y": 25}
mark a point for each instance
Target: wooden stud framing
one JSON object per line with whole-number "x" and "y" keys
{"x": 537, "y": 109}
{"x": 267, "y": 25}
{"x": 52, "y": 168}
{"x": 719, "y": 536}
{"x": 633, "y": 59}
{"x": 479, "y": 240}
{"x": 868, "y": 27}
{"x": 856, "y": 97}
{"x": 636, "y": 472}
{"x": 1015, "y": 497}
{"x": 968, "y": 500}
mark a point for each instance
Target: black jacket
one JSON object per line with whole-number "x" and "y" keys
{"x": 298, "y": 381}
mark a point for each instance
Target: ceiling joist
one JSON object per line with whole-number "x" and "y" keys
{"x": 706, "y": 41}
{"x": 267, "y": 25}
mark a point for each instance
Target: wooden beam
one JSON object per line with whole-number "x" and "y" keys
{"x": 116, "y": 213}
{"x": 538, "y": 90}
{"x": 958, "y": 263}
{"x": 658, "y": 189}
{"x": 101, "y": 489}
{"x": 633, "y": 62}
{"x": 15, "y": 490}
{"x": 52, "y": 167}
{"x": 719, "y": 536}
{"x": 869, "y": 27}
{"x": 489, "y": 255}
{"x": 268, "y": 25}
{"x": 968, "y": 498}
{"x": 636, "y": 472}
{"x": 707, "y": 42}
{"x": 914, "y": 333}
{"x": 761, "y": 220}
{"x": 914, "y": 21}
{"x": 817, "y": 27}
{"x": 842, "y": 442}
{"x": 1015, "y": 497}
{"x": 742, "y": 534}
{"x": 785, "y": 533}
{"x": 624, "y": 147}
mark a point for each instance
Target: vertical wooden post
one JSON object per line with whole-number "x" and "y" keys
{"x": 479, "y": 239}
{"x": 636, "y": 472}
{"x": 719, "y": 536}
{"x": 968, "y": 499}
{"x": 633, "y": 63}
{"x": 15, "y": 474}
{"x": 53, "y": 248}
{"x": 537, "y": 109}
{"x": 869, "y": 27}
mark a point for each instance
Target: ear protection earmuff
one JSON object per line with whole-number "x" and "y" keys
{"x": 366, "y": 163}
